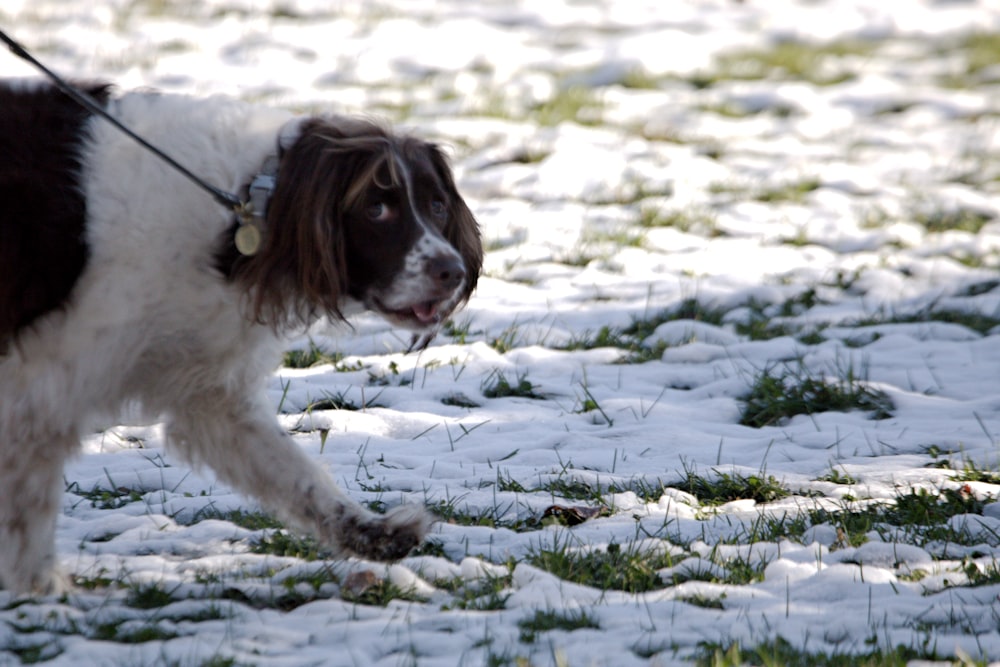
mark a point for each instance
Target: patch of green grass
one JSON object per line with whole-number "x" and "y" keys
{"x": 149, "y": 596}
{"x": 647, "y": 490}
{"x": 763, "y": 328}
{"x": 638, "y": 78}
{"x": 704, "y": 601}
{"x": 725, "y": 487}
{"x": 917, "y": 517}
{"x": 107, "y": 498}
{"x": 250, "y": 520}
{"x": 113, "y": 631}
{"x": 292, "y": 593}
{"x": 974, "y": 260}
{"x": 380, "y": 594}
{"x": 627, "y": 568}
{"x": 979, "y": 51}
{"x": 487, "y": 594}
{"x": 689, "y": 222}
{"x": 588, "y": 404}
{"x": 852, "y": 525}
{"x": 623, "y": 237}
{"x": 569, "y": 489}
{"x": 797, "y": 304}
{"x": 527, "y": 155}
{"x": 284, "y": 543}
{"x": 960, "y": 219}
{"x": 585, "y": 253}
{"x": 971, "y": 472}
{"x": 505, "y": 659}
{"x": 987, "y": 575}
{"x": 688, "y": 309}
{"x": 819, "y": 64}
{"x": 93, "y": 582}
{"x": 982, "y": 50}
{"x": 494, "y": 104}
{"x": 448, "y": 511}
{"x": 507, "y": 340}
{"x": 430, "y": 547}
{"x": 576, "y": 104}
{"x": 209, "y": 612}
{"x": 496, "y": 385}
{"x": 725, "y": 188}
{"x": 779, "y": 653}
{"x": 794, "y": 191}
{"x": 546, "y": 621}
{"x": 921, "y": 507}
{"x": 459, "y": 400}
{"x": 606, "y": 336}
{"x": 458, "y": 332}
{"x": 769, "y": 527}
{"x": 837, "y": 477}
{"x": 387, "y": 379}
{"x": 339, "y": 401}
{"x": 284, "y": 600}
{"x": 759, "y": 324}
{"x": 309, "y": 357}
{"x": 219, "y": 661}
{"x": 813, "y": 337}
{"x": 779, "y": 393}
{"x": 979, "y": 322}
{"x": 790, "y": 192}
{"x": 737, "y": 110}
{"x": 631, "y": 338}
{"x": 31, "y": 653}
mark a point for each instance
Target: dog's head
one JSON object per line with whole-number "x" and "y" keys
{"x": 360, "y": 213}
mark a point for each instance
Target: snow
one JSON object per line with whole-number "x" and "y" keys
{"x": 887, "y": 148}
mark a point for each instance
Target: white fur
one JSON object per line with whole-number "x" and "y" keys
{"x": 415, "y": 280}
{"x": 150, "y": 320}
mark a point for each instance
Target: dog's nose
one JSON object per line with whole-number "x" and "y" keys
{"x": 447, "y": 271}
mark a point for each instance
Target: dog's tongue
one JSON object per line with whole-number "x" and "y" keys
{"x": 426, "y": 312}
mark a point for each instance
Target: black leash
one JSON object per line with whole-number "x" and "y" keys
{"x": 224, "y": 198}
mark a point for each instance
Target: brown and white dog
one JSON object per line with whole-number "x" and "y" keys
{"x": 120, "y": 283}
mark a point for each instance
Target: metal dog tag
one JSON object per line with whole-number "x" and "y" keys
{"x": 248, "y": 239}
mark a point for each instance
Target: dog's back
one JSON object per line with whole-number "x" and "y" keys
{"x": 42, "y": 210}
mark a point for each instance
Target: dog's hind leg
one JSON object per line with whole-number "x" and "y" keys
{"x": 31, "y": 484}
{"x": 246, "y": 447}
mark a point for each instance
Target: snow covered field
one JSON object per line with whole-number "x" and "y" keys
{"x": 690, "y": 208}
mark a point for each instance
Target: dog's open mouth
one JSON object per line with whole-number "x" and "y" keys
{"x": 427, "y": 312}
{"x": 419, "y": 315}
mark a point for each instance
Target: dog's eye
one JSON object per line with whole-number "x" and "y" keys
{"x": 439, "y": 209}
{"x": 380, "y": 212}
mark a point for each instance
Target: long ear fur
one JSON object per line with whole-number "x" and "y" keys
{"x": 462, "y": 230}
{"x": 301, "y": 270}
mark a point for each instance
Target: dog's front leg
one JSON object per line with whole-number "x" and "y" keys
{"x": 246, "y": 447}
{"x": 31, "y": 470}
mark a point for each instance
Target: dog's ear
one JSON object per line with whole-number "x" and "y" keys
{"x": 462, "y": 230}
{"x": 300, "y": 271}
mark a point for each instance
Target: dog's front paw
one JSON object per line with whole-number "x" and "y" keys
{"x": 43, "y": 583}
{"x": 386, "y": 537}
{"x": 53, "y": 582}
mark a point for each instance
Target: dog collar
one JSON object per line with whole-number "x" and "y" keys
{"x": 254, "y": 213}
